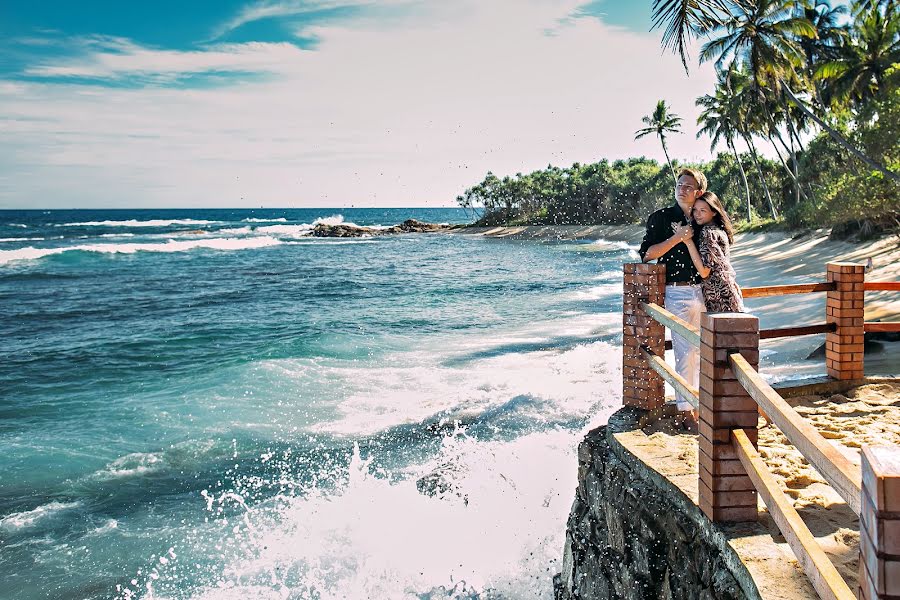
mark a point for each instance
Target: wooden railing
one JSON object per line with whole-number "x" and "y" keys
{"x": 730, "y": 395}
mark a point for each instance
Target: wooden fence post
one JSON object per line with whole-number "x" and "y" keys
{"x": 642, "y": 387}
{"x": 879, "y": 524}
{"x": 844, "y": 307}
{"x": 726, "y": 491}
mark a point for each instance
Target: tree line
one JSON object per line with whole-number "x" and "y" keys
{"x": 815, "y": 84}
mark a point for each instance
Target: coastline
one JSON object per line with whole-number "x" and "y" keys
{"x": 770, "y": 258}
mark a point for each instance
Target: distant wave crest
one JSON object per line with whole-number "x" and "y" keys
{"x": 278, "y": 220}
{"x": 136, "y": 223}
{"x": 31, "y": 253}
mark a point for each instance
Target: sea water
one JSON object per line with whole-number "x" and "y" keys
{"x": 212, "y": 404}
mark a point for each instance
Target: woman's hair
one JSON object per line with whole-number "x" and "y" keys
{"x": 721, "y": 218}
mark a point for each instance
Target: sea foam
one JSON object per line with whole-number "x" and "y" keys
{"x": 21, "y": 520}
{"x": 31, "y": 253}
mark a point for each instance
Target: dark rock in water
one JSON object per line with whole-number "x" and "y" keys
{"x": 413, "y": 226}
{"x": 407, "y": 226}
{"x": 872, "y": 345}
{"x": 323, "y": 230}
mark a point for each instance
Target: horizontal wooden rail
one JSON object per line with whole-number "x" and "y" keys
{"x": 768, "y": 334}
{"x": 882, "y": 286}
{"x": 665, "y": 371}
{"x": 837, "y": 470}
{"x": 889, "y": 327}
{"x": 676, "y": 324}
{"x": 824, "y": 577}
{"x": 781, "y": 290}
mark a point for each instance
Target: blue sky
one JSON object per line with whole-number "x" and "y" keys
{"x": 320, "y": 102}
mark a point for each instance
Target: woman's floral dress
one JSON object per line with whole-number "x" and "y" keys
{"x": 720, "y": 289}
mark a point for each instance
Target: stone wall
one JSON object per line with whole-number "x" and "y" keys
{"x": 633, "y": 534}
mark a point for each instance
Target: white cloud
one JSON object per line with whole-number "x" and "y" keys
{"x": 408, "y": 116}
{"x": 268, "y": 9}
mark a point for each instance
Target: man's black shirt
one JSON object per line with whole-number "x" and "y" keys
{"x": 679, "y": 266}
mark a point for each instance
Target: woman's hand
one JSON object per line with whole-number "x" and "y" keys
{"x": 683, "y": 233}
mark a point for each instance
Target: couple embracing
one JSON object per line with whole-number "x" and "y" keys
{"x": 692, "y": 238}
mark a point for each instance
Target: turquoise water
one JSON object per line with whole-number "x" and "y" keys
{"x": 211, "y": 404}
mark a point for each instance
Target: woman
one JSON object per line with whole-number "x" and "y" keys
{"x": 711, "y": 255}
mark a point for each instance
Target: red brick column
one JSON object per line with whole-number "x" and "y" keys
{"x": 641, "y": 385}
{"x": 726, "y": 492}
{"x": 844, "y": 307}
{"x": 879, "y": 524}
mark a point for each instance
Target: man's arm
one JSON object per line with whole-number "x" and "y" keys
{"x": 657, "y": 250}
{"x": 658, "y": 238}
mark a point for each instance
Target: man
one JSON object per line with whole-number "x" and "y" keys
{"x": 667, "y": 229}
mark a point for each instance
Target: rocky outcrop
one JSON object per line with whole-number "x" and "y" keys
{"x": 632, "y": 534}
{"x": 346, "y": 230}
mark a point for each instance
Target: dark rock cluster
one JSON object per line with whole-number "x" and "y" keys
{"x": 345, "y": 230}
{"x": 628, "y": 538}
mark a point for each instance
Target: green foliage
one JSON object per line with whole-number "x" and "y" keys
{"x": 624, "y": 191}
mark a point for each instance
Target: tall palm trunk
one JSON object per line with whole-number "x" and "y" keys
{"x": 743, "y": 176}
{"x": 662, "y": 139}
{"x": 838, "y": 137}
{"x": 787, "y": 169}
{"x": 759, "y": 172}
{"x": 795, "y": 151}
{"x": 773, "y": 130}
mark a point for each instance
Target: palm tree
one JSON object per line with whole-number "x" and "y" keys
{"x": 830, "y": 37}
{"x": 692, "y": 18}
{"x": 661, "y": 122}
{"x": 860, "y": 67}
{"x": 686, "y": 19}
{"x": 718, "y": 122}
{"x": 739, "y": 86}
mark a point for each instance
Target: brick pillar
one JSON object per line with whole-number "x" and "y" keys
{"x": 844, "y": 306}
{"x": 641, "y": 385}
{"x": 879, "y": 524}
{"x": 726, "y": 491}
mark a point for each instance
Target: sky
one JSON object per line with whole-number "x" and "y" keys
{"x": 322, "y": 103}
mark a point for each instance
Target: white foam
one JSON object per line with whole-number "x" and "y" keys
{"x": 136, "y": 223}
{"x": 541, "y": 386}
{"x": 130, "y": 465}
{"x": 108, "y": 525}
{"x": 608, "y": 245}
{"x": 31, "y": 253}
{"x": 22, "y": 225}
{"x": 332, "y": 220}
{"x": 22, "y": 520}
{"x": 597, "y": 292}
{"x": 331, "y": 242}
{"x": 25, "y": 239}
{"x": 498, "y": 533}
{"x": 278, "y": 220}
{"x": 290, "y": 231}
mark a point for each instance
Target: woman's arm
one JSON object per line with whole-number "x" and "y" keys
{"x": 702, "y": 269}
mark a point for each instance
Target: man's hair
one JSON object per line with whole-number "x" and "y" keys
{"x": 699, "y": 177}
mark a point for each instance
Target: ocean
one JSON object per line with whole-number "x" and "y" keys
{"x": 210, "y": 404}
